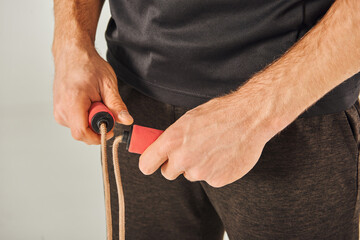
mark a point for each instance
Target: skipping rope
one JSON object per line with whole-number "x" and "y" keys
{"x": 137, "y": 139}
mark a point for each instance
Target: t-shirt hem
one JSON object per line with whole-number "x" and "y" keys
{"x": 346, "y": 93}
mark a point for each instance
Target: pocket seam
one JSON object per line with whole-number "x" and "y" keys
{"x": 357, "y": 159}
{"x": 349, "y": 125}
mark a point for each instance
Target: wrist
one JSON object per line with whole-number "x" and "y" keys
{"x": 268, "y": 104}
{"x": 73, "y": 48}
{"x": 80, "y": 43}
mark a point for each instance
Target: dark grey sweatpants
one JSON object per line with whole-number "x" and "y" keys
{"x": 304, "y": 186}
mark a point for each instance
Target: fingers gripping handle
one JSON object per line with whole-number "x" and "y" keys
{"x": 98, "y": 114}
{"x": 137, "y": 139}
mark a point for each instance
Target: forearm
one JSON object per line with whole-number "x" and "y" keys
{"x": 325, "y": 57}
{"x": 75, "y": 24}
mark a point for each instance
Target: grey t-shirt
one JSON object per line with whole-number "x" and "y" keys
{"x": 185, "y": 52}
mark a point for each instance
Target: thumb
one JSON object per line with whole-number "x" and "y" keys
{"x": 113, "y": 101}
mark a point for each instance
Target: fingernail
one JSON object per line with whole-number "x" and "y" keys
{"x": 125, "y": 116}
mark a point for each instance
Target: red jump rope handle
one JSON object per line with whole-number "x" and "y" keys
{"x": 98, "y": 114}
{"x": 139, "y": 138}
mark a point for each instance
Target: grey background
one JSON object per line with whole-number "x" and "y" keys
{"x": 50, "y": 185}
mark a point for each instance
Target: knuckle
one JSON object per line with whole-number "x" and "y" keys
{"x": 164, "y": 148}
{"x": 108, "y": 81}
{"x": 186, "y": 175}
{"x": 187, "y": 115}
{"x": 172, "y": 141}
{"x": 112, "y": 72}
{"x": 77, "y": 134}
{"x": 216, "y": 183}
{"x": 197, "y": 174}
{"x": 182, "y": 162}
{"x": 109, "y": 85}
{"x": 92, "y": 142}
{"x": 75, "y": 91}
{"x": 166, "y": 175}
{"x": 116, "y": 102}
{"x": 57, "y": 116}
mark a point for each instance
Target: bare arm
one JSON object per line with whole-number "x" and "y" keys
{"x": 75, "y": 23}
{"x": 81, "y": 75}
{"x": 325, "y": 57}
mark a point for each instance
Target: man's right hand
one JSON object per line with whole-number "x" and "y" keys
{"x": 83, "y": 77}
